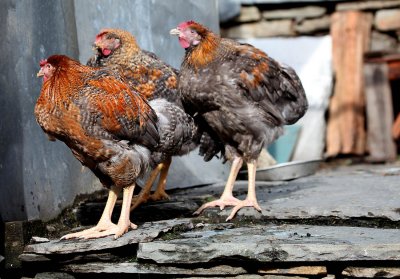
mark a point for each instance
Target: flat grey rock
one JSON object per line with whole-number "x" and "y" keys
{"x": 136, "y": 268}
{"x": 271, "y": 243}
{"x": 347, "y": 194}
{"x": 146, "y": 232}
{"x": 371, "y": 272}
{"x": 53, "y": 275}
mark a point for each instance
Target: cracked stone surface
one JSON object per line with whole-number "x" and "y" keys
{"x": 271, "y": 243}
{"x": 135, "y": 268}
{"x": 345, "y": 194}
{"x": 294, "y": 227}
{"x": 146, "y": 232}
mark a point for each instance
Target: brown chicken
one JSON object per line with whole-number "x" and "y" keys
{"x": 109, "y": 128}
{"x": 244, "y": 96}
{"x": 153, "y": 79}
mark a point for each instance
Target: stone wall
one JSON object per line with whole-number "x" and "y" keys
{"x": 257, "y": 19}
{"x": 39, "y": 178}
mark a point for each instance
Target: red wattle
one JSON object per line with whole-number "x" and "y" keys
{"x": 184, "y": 43}
{"x": 106, "y": 51}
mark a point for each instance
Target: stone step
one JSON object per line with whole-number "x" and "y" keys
{"x": 272, "y": 243}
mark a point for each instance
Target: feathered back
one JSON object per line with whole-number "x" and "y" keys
{"x": 146, "y": 73}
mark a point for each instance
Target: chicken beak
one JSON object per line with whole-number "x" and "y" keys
{"x": 40, "y": 73}
{"x": 175, "y": 32}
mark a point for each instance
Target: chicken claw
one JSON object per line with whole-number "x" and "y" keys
{"x": 101, "y": 231}
{"x": 241, "y": 204}
{"x": 221, "y": 202}
{"x": 158, "y": 195}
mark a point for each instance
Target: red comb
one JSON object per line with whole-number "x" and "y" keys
{"x": 43, "y": 62}
{"x": 186, "y": 24}
{"x": 98, "y": 36}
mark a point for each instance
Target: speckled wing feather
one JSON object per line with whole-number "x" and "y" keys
{"x": 110, "y": 109}
{"x": 274, "y": 86}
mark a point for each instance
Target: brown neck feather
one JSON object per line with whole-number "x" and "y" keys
{"x": 205, "y": 51}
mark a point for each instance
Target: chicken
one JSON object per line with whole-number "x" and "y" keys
{"x": 109, "y": 128}
{"x": 245, "y": 96}
{"x": 154, "y": 80}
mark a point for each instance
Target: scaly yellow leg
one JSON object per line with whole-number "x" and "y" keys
{"x": 104, "y": 223}
{"x": 160, "y": 193}
{"x": 251, "y": 199}
{"x": 145, "y": 192}
{"x": 227, "y": 198}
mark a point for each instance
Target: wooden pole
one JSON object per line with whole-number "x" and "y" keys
{"x": 350, "y": 31}
{"x": 378, "y": 94}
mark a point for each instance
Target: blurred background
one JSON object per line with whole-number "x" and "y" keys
{"x": 345, "y": 52}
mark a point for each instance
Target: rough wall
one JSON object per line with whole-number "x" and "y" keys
{"x": 39, "y": 178}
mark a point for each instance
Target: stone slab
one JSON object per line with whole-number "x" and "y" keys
{"x": 387, "y": 20}
{"x": 54, "y": 275}
{"x": 296, "y": 13}
{"x": 298, "y": 270}
{"x": 137, "y": 268}
{"x": 371, "y": 272}
{"x": 309, "y": 26}
{"x": 146, "y": 232}
{"x": 248, "y": 14}
{"x": 367, "y": 5}
{"x": 359, "y": 192}
{"x": 271, "y": 243}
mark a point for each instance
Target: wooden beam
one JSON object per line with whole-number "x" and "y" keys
{"x": 378, "y": 94}
{"x": 396, "y": 128}
{"x": 346, "y": 133}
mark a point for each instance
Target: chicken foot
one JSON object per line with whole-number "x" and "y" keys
{"x": 251, "y": 199}
{"x": 105, "y": 226}
{"x": 105, "y": 219}
{"x": 227, "y": 198}
{"x": 159, "y": 193}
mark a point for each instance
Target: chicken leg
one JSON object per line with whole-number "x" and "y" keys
{"x": 227, "y": 198}
{"x": 105, "y": 219}
{"x": 105, "y": 227}
{"x": 251, "y": 199}
{"x": 159, "y": 193}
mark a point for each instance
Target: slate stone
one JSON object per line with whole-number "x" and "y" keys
{"x": 38, "y": 239}
{"x": 367, "y": 5}
{"x": 296, "y": 13}
{"x": 275, "y": 28}
{"x": 383, "y": 42}
{"x": 252, "y": 276}
{"x": 248, "y": 14}
{"x": 146, "y": 232}
{"x": 246, "y": 30}
{"x": 54, "y": 275}
{"x": 249, "y": 2}
{"x": 371, "y": 272}
{"x": 271, "y": 243}
{"x": 341, "y": 195}
{"x": 137, "y": 268}
{"x": 309, "y": 26}
{"x": 298, "y": 270}
{"x": 387, "y": 20}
